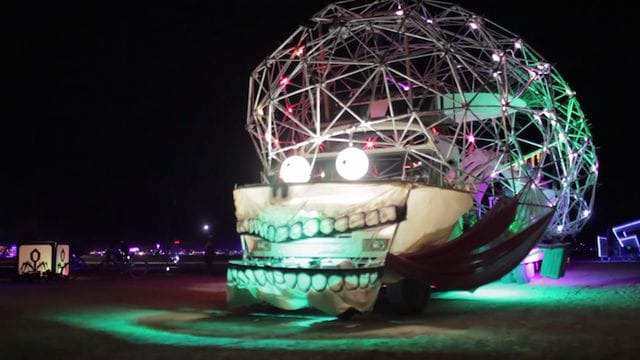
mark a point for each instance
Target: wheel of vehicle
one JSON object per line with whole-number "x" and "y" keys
{"x": 408, "y": 296}
{"x": 347, "y": 315}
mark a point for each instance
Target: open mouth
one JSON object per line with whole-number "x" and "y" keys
{"x": 324, "y": 245}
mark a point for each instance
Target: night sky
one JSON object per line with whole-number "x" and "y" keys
{"x": 125, "y": 119}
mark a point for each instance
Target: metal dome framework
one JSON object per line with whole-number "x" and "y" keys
{"x": 432, "y": 93}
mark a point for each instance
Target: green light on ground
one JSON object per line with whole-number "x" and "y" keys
{"x": 499, "y": 293}
{"x": 259, "y": 331}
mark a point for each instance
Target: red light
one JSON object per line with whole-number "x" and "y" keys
{"x": 435, "y": 131}
{"x": 284, "y": 81}
{"x": 176, "y": 242}
{"x": 289, "y": 109}
{"x": 371, "y": 143}
{"x": 299, "y": 51}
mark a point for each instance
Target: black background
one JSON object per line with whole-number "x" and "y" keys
{"x": 125, "y": 119}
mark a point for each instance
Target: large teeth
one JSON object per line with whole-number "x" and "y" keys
{"x": 363, "y": 280}
{"x": 269, "y": 277}
{"x": 260, "y": 277}
{"x": 388, "y": 213}
{"x": 351, "y": 281}
{"x": 311, "y": 227}
{"x": 271, "y": 233}
{"x": 295, "y": 232}
{"x": 282, "y": 234}
{"x": 335, "y": 283}
{"x": 264, "y": 229}
{"x": 356, "y": 221}
{"x": 326, "y": 226}
{"x": 278, "y": 277}
{"x": 318, "y": 282}
{"x": 300, "y": 280}
{"x": 290, "y": 279}
{"x": 242, "y": 278}
{"x": 250, "y": 276}
{"x": 342, "y": 224}
{"x": 304, "y": 282}
{"x": 372, "y": 218}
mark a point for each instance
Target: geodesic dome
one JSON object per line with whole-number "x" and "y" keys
{"x": 431, "y": 93}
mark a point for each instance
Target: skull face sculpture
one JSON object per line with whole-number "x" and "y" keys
{"x": 386, "y": 130}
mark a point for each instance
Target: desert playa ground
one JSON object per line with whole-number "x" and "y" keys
{"x": 593, "y": 312}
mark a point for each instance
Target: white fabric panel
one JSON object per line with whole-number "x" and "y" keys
{"x": 431, "y": 215}
{"x": 328, "y": 200}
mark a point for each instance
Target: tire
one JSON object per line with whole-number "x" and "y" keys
{"x": 408, "y": 296}
{"x": 347, "y": 315}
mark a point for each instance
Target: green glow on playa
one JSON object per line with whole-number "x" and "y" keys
{"x": 532, "y": 295}
{"x": 432, "y": 332}
{"x": 132, "y": 325}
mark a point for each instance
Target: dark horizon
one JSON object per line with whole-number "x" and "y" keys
{"x": 127, "y": 120}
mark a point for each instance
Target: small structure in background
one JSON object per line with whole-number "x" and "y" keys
{"x": 621, "y": 243}
{"x": 43, "y": 259}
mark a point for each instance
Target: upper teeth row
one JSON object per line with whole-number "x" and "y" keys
{"x": 314, "y": 226}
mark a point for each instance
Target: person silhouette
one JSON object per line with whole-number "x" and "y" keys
{"x": 209, "y": 252}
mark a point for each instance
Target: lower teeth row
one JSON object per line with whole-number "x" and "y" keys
{"x": 301, "y": 280}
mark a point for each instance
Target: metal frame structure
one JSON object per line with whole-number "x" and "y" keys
{"x": 432, "y": 93}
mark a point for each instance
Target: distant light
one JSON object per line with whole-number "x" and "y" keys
{"x": 295, "y": 169}
{"x": 168, "y": 268}
{"x": 544, "y": 67}
{"x": 205, "y": 227}
{"x": 352, "y": 163}
{"x": 299, "y": 51}
{"x": 399, "y": 13}
{"x": 176, "y": 242}
{"x": 473, "y": 24}
{"x": 134, "y": 249}
{"x": 284, "y": 81}
{"x": 157, "y": 246}
{"x": 371, "y": 143}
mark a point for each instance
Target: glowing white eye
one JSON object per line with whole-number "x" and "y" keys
{"x": 352, "y": 163}
{"x": 295, "y": 169}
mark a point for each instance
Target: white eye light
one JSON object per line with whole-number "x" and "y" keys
{"x": 352, "y": 163}
{"x": 295, "y": 169}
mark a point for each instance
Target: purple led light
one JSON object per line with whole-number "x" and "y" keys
{"x": 620, "y": 232}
